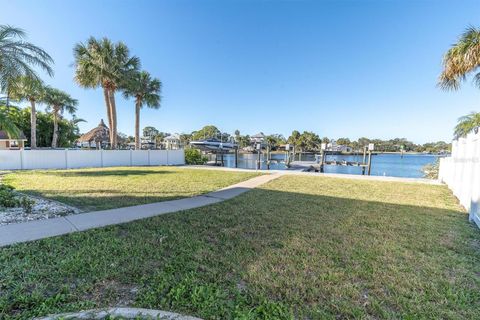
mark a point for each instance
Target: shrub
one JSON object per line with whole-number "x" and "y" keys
{"x": 430, "y": 171}
{"x": 8, "y": 198}
{"x": 194, "y": 156}
{"x": 27, "y": 204}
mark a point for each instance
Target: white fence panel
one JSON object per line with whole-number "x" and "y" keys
{"x": 461, "y": 172}
{"x": 84, "y": 158}
{"x": 159, "y": 157}
{"x": 67, "y": 159}
{"x": 176, "y": 157}
{"x": 140, "y": 158}
{"x": 44, "y": 159}
{"x": 10, "y": 159}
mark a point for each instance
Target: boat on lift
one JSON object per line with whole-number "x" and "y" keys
{"x": 213, "y": 145}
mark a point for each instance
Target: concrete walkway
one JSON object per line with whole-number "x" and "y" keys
{"x": 39, "y": 229}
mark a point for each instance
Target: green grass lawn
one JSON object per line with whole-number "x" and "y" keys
{"x": 298, "y": 247}
{"x": 106, "y": 188}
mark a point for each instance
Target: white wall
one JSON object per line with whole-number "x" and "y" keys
{"x": 461, "y": 172}
{"x": 67, "y": 159}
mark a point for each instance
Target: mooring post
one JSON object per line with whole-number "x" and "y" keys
{"x": 223, "y": 163}
{"x": 236, "y": 157}
{"x": 268, "y": 157}
{"x": 363, "y": 161}
{"x": 322, "y": 160}
{"x": 369, "y": 161}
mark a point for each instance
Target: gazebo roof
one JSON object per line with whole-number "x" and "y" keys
{"x": 5, "y": 136}
{"x": 100, "y": 133}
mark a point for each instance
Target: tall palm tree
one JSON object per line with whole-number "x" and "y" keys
{"x": 58, "y": 101}
{"x": 466, "y": 124}
{"x": 29, "y": 89}
{"x": 19, "y": 58}
{"x": 101, "y": 63}
{"x": 145, "y": 91}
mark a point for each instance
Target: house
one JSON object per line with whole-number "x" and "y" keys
{"x": 173, "y": 142}
{"x": 7, "y": 143}
{"x": 257, "y": 138}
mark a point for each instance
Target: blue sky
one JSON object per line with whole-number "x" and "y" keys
{"x": 338, "y": 68}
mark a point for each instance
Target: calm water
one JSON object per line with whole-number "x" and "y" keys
{"x": 394, "y": 165}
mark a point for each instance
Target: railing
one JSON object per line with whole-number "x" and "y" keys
{"x": 68, "y": 159}
{"x": 461, "y": 172}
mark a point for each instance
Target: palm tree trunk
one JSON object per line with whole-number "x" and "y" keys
{"x": 33, "y": 125}
{"x": 106, "y": 96}
{"x": 137, "y": 125}
{"x": 55, "y": 129}
{"x": 113, "y": 110}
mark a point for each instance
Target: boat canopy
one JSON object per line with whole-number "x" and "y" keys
{"x": 213, "y": 145}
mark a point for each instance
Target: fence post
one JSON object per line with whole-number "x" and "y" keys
{"x": 21, "y": 159}
{"x": 148, "y": 157}
{"x": 66, "y": 158}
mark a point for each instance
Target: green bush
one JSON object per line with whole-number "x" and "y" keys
{"x": 194, "y": 156}
{"x": 8, "y": 199}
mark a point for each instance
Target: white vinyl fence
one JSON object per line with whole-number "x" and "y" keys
{"x": 69, "y": 159}
{"x": 461, "y": 172}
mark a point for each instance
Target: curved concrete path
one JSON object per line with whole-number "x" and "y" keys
{"x": 40, "y": 229}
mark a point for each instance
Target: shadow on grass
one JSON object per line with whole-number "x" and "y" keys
{"x": 264, "y": 254}
{"x": 104, "y": 173}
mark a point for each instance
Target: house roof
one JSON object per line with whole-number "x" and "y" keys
{"x": 174, "y": 136}
{"x": 258, "y": 135}
{"x": 5, "y": 136}
{"x": 100, "y": 133}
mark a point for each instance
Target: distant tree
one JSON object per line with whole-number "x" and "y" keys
{"x": 146, "y": 91}
{"x": 206, "y": 132}
{"x": 344, "y": 141}
{"x": 19, "y": 58}
{"x": 150, "y": 132}
{"x": 58, "y": 101}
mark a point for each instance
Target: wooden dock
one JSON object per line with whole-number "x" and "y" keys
{"x": 313, "y": 166}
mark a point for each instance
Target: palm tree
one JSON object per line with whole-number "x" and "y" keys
{"x": 145, "y": 91}
{"x": 466, "y": 124}
{"x": 101, "y": 63}
{"x": 29, "y": 89}
{"x": 19, "y": 58}
{"x": 58, "y": 101}
{"x": 461, "y": 59}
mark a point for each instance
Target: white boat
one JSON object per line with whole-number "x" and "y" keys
{"x": 210, "y": 145}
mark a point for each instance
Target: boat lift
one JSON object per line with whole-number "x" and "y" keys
{"x": 321, "y": 161}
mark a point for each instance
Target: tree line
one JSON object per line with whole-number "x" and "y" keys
{"x": 306, "y": 141}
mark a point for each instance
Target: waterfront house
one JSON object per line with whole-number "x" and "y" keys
{"x": 257, "y": 138}
{"x": 173, "y": 142}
